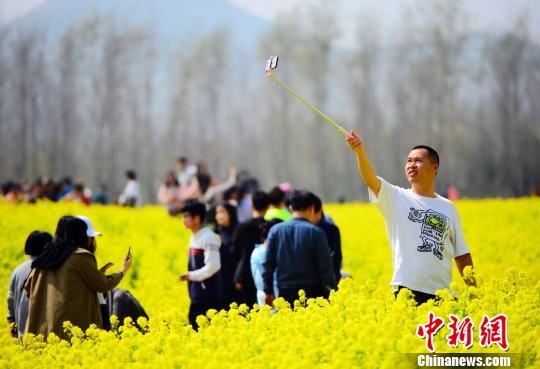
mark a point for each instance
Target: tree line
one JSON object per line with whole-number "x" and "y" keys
{"x": 107, "y": 96}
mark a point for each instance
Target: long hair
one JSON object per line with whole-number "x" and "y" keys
{"x": 204, "y": 182}
{"x": 70, "y": 231}
{"x": 233, "y": 216}
{"x": 70, "y": 234}
{"x": 170, "y": 180}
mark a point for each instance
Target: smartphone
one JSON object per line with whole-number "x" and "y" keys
{"x": 271, "y": 63}
{"x": 106, "y": 266}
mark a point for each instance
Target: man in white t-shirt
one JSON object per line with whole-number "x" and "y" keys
{"x": 424, "y": 229}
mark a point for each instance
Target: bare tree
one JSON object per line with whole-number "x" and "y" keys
{"x": 4, "y": 103}
{"x": 28, "y": 59}
{"x": 531, "y": 120}
{"x": 177, "y": 139}
{"x": 315, "y": 58}
{"x": 426, "y": 81}
{"x": 506, "y": 58}
{"x": 362, "y": 77}
{"x": 141, "y": 145}
{"x": 100, "y": 101}
{"x": 281, "y": 126}
{"x": 209, "y": 58}
{"x": 68, "y": 121}
{"x": 304, "y": 44}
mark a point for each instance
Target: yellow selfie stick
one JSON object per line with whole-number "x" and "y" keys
{"x": 269, "y": 73}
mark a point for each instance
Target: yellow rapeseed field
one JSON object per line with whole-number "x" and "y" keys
{"x": 361, "y": 325}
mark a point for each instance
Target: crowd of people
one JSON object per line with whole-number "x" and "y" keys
{"x": 187, "y": 182}
{"x": 66, "y": 190}
{"x": 63, "y": 190}
{"x": 45, "y": 188}
{"x": 191, "y": 182}
{"x": 250, "y": 247}
{"x": 230, "y": 260}
{"x": 288, "y": 244}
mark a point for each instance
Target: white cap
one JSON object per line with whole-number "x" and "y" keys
{"x": 90, "y": 231}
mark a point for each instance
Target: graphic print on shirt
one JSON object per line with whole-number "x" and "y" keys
{"x": 433, "y": 232}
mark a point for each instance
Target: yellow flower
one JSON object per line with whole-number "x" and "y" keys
{"x": 362, "y": 325}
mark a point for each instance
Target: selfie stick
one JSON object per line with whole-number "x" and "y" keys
{"x": 272, "y": 64}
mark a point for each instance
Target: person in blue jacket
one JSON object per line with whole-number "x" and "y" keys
{"x": 298, "y": 254}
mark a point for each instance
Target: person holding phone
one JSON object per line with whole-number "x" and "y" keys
{"x": 65, "y": 280}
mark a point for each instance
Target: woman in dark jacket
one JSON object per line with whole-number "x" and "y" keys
{"x": 64, "y": 282}
{"x": 226, "y": 221}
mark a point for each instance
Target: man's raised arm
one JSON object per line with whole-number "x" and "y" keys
{"x": 366, "y": 170}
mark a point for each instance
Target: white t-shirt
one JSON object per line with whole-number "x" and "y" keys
{"x": 425, "y": 236}
{"x": 131, "y": 191}
{"x": 185, "y": 175}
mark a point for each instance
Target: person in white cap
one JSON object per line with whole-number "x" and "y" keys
{"x": 92, "y": 234}
{"x": 116, "y": 301}
{"x": 102, "y": 297}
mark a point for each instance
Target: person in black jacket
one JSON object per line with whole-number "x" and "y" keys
{"x": 123, "y": 304}
{"x": 225, "y": 222}
{"x": 246, "y": 236}
{"x": 332, "y": 236}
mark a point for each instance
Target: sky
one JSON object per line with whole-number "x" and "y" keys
{"x": 484, "y": 15}
{"x": 11, "y": 10}
{"x": 493, "y": 16}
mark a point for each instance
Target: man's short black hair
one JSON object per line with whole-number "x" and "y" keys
{"x": 182, "y": 160}
{"x": 432, "y": 154}
{"x": 301, "y": 200}
{"x": 194, "y": 208}
{"x": 131, "y": 174}
{"x": 260, "y": 200}
{"x": 276, "y": 196}
{"x": 35, "y": 243}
